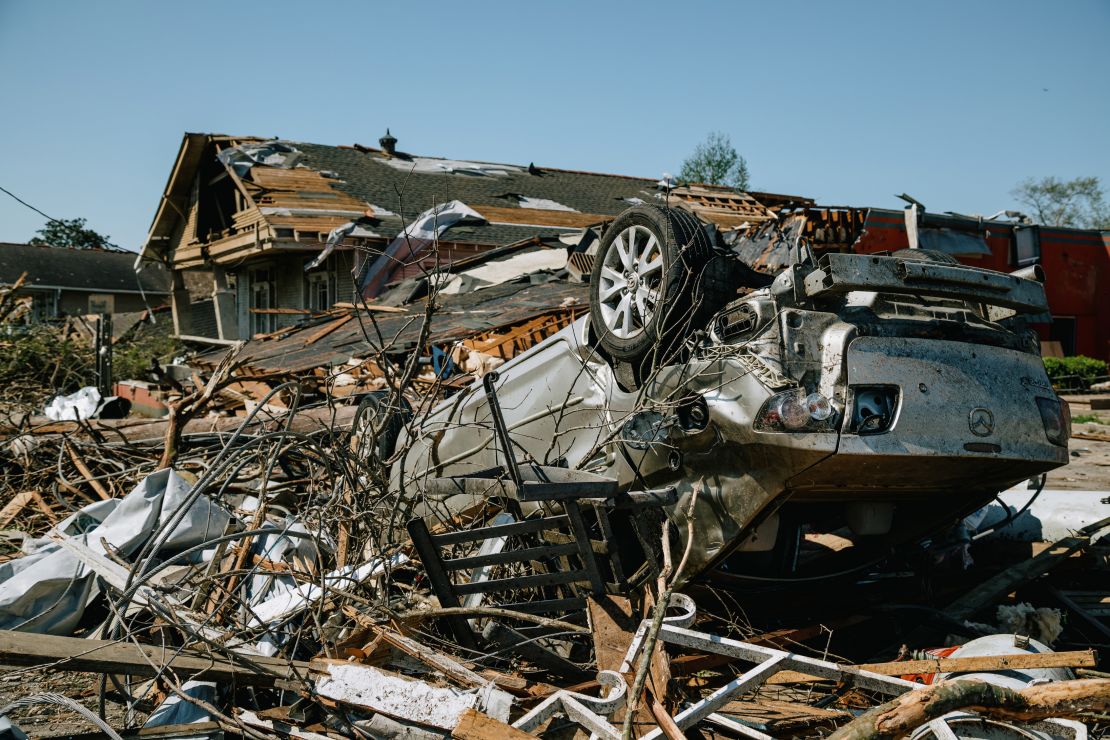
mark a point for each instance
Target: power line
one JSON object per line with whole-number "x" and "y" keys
{"x": 71, "y": 227}
{"x": 17, "y": 199}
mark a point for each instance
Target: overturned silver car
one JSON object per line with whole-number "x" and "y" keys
{"x": 878, "y": 397}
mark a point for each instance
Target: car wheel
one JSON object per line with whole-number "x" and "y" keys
{"x": 375, "y": 429}
{"x": 648, "y": 286}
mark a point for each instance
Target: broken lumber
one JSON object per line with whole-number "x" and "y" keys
{"x": 978, "y": 664}
{"x": 995, "y": 589}
{"x": 109, "y": 656}
{"x": 473, "y": 725}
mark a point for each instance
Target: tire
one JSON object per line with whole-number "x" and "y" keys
{"x": 925, "y": 255}
{"x": 650, "y": 286}
{"x": 375, "y": 429}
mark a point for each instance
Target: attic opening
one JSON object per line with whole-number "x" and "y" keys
{"x": 218, "y": 201}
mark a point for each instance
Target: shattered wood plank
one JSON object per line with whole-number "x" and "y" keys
{"x": 1082, "y": 611}
{"x": 83, "y": 469}
{"x": 127, "y": 658}
{"x": 996, "y": 588}
{"x": 326, "y": 329}
{"x": 442, "y": 663}
{"x": 473, "y": 725}
{"x": 44, "y": 507}
{"x": 978, "y": 664}
{"x": 613, "y": 624}
{"x": 12, "y": 508}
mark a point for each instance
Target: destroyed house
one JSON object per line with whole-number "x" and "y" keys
{"x": 62, "y": 281}
{"x": 258, "y": 216}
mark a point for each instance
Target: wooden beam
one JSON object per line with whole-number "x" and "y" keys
{"x": 127, "y": 658}
{"x": 12, "y": 508}
{"x": 979, "y": 664}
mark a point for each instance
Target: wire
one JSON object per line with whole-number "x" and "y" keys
{"x": 62, "y": 701}
{"x": 23, "y": 202}
{"x": 1012, "y": 515}
{"x": 106, "y": 245}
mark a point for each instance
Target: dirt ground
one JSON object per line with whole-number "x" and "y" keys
{"x": 1089, "y": 469}
{"x": 50, "y": 720}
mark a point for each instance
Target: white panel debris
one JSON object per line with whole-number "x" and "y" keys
{"x": 506, "y": 270}
{"x": 278, "y": 607}
{"x": 271, "y": 153}
{"x": 417, "y": 701}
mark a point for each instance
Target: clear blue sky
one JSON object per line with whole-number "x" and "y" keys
{"x": 850, "y": 103}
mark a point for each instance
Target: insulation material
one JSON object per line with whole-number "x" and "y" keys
{"x": 397, "y": 696}
{"x": 543, "y": 204}
{"x": 1043, "y": 624}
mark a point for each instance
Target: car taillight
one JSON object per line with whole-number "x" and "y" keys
{"x": 797, "y": 411}
{"x": 1056, "y": 417}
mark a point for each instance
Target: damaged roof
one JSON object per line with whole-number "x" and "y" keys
{"x": 259, "y": 194}
{"x": 86, "y": 270}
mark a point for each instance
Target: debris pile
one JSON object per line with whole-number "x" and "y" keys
{"x": 264, "y": 561}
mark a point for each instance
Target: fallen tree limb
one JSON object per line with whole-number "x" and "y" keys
{"x": 900, "y": 717}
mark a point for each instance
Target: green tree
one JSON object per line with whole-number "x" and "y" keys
{"x": 71, "y": 233}
{"x": 1077, "y": 203}
{"x": 716, "y": 162}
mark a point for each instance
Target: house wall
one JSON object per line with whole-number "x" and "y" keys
{"x": 290, "y": 286}
{"x": 76, "y": 302}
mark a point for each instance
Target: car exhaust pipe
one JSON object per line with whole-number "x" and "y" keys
{"x": 1033, "y": 272}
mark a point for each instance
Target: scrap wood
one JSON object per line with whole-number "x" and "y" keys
{"x": 473, "y": 725}
{"x": 781, "y": 714}
{"x": 901, "y": 716}
{"x": 326, "y": 329}
{"x": 996, "y": 589}
{"x": 977, "y": 664}
{"x": 1085, "y": 612}
{"x": 613, "y": 624}
{"x": 83, "y": 469}
{"x": 12, "y": 508}
{"x": 1095, "y": 436}
{"x": 128, "y": 658}
{"x": 431, "y": 658}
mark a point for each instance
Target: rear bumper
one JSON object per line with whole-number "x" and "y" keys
{"x": 939, "y": 440}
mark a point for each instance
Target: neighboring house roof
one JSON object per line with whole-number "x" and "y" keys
{"x": 85, "y": 270}
{"x": 292, "y": 194}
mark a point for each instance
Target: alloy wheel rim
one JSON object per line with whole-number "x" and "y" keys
{"x": 631, "y": 281}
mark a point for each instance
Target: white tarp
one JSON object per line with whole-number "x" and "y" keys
{"x": 48, "y": 589}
